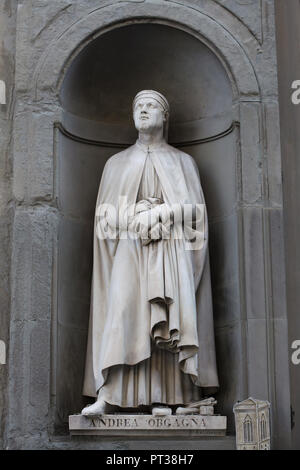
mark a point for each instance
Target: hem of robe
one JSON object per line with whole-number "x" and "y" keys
{"x": 156, "y": 403}
{"x": 186, "y": 366}
{"x": 99, "y": 378}
{"x": 156, "y": 380}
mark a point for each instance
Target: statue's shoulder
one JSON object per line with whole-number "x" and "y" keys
{"x": 186, "y": 159}
{"x": 118, "y": 158}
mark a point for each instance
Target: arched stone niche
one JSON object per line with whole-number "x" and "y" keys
{"x": 56, "y": 178}
{"x": 98, "y": 87}
{"x": 96, "y": 97}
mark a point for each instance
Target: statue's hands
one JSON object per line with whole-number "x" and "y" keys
{"x": 152, "y": 221}
{"x": 161, "y": 229}
{"x": 143, "y": 221}
{"x": 143, "y": 205}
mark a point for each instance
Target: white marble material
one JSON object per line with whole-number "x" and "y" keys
{"x": 146, "y": 425}
{"x": 151, "y": 337}
{"x": 206, "y": 410}
{"x": 161, "y": 411}
{"x": 181, "y": 410}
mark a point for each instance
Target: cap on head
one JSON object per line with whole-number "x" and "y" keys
{"x": 155, "y": 95}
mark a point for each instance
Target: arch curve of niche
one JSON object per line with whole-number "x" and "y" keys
{"x": 53, "y": 63}
{"x": 205, "y": 73}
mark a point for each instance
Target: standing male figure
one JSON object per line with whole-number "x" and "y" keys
{"x": 151, "y": 337}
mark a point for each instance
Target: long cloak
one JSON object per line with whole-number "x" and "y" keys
{"x": 129, "y": 282}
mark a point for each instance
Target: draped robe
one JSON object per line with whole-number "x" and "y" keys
{"x": 151, "y": 336}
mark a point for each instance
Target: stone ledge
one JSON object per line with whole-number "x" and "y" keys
{"x": 148, "y": 425}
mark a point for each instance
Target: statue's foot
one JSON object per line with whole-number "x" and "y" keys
{"x": 161, "y": 411}
{"x": 187, "y": 410}
{"x": 97, "y": 408}
{"x": 209, "y": 401}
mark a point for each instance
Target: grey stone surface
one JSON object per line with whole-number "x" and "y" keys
{"x": 241, "y": 178}
{"x": 120, "y": 79}
{"x": 30, "y": 326}
{"x": 7, "y": 63}
{"x": 251, "y": 162}
{"x": 274, "y": 219}
{"x": 79, "y": 169}
{"x": 215, "y": 33}
{"x": 249, "y": 16}
{"x": 254, "y": 270}
{"x": 33, "y": 164}
{"x": 257, "y": 358}
{"x": 217, "y": 166}
{"x": 225, "y": 270}
{"x": 272, "y": 157}
{"x": 232, "y": 367}
{"x": 288, "y": 34}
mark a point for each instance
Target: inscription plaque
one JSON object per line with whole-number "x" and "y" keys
{"x": 139, "y": 425}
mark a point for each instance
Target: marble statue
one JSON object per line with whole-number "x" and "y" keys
{"x": 151, "y": 336}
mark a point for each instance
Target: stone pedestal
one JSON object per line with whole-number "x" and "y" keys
{"x": 148, "y": 425}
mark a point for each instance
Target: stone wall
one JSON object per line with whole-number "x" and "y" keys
{"x": 288, "y": 37}
{"x": 49, "y": 37}
{"x": 7, "y": 66}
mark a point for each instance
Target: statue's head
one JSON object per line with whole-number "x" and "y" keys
{"x": 150, "y": 111}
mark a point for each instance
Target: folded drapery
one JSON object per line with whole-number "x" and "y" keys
{"x": 153, "y": 297}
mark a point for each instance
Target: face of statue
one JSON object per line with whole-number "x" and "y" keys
{"x": 148, "y": 115}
